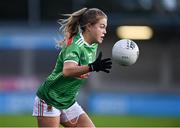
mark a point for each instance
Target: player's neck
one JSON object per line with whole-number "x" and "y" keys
{"x": 87, "y": 38}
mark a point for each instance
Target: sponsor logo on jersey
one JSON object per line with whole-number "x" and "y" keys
{"x": 71, "y": 55}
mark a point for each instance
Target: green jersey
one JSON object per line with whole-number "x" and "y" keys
{"x": 60, "y": 91}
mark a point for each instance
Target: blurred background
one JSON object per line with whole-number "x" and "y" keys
{"x": 144, "y": 94}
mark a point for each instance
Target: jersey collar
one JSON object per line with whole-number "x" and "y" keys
{"x": 89, "y": 45}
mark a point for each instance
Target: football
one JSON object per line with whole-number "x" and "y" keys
{"x": 125, "y": 52}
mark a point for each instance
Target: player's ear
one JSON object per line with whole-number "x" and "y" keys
{"x": 88, "y": 26}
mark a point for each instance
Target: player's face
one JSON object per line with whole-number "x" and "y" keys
{"x": 98, "y": 30}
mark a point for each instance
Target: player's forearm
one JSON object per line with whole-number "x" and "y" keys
{"x": 75, "y": 71}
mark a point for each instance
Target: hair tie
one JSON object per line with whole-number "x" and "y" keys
{"x": 86, "y": 10}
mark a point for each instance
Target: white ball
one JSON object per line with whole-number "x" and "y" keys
{"x": 125, "y": 52}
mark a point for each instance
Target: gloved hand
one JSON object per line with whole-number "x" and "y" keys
{"x": 100, "y": 64}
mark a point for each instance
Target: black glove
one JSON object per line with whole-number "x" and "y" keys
{"x": 100, "y": 64}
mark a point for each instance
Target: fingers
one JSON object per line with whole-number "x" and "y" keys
{"x": 106, "y": 65}
{"x": 107, "y": 68}
{"x": 107, "y": 71}
{"x": 106, "y": 60}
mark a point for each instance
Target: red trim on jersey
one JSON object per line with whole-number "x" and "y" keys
{"x": 69, "y": 41}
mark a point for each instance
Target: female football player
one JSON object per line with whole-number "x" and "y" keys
{"x": 55, "y": 102}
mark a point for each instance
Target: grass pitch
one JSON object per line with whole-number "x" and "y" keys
{"x": 99, "y": 121}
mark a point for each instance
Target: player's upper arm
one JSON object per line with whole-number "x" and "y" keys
{"x": 68, "y": 68}
{"x": 72, "y": 54}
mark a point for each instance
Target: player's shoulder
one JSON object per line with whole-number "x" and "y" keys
{"x": 76, "y": 41}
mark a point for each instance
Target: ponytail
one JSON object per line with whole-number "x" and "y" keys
{"x": 71, "y": 25}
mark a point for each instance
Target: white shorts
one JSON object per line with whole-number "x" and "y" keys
{"x": 42, "y": 109}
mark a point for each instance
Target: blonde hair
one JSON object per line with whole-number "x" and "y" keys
{"x": 77, "y": 21}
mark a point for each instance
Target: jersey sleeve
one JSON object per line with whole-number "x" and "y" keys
{"x": 72, "y": 53}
